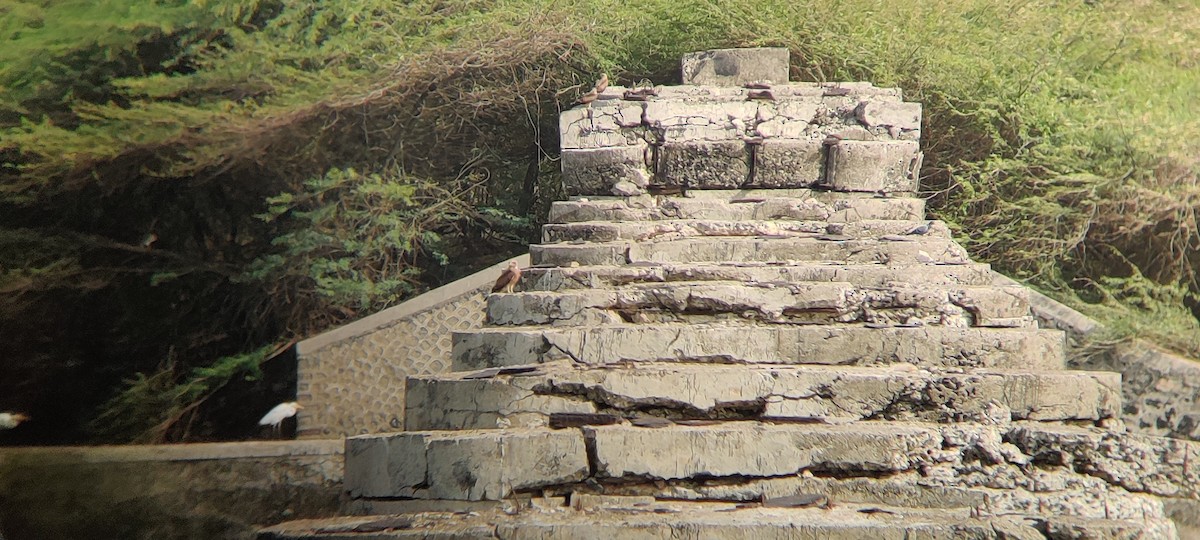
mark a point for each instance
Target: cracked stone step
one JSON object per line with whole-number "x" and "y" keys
{"x": 859, "y": 275}
{"x": 776, "y": 302}
{"x": 899, "y": 494}
{"x": 605, "y": 231}
{"x": 939, "y": 251}
{"x": 778, "y": 205}
{"x": 841, "y": 394}
{"x": 501, "y": 464}
{"x": 930, "y": 346}
{"x": 550, "y": 519}
{"x": 465, "y": 465}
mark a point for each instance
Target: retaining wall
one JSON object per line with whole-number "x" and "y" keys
{"x": 351, "y": 379}
{"x": 200, "y": 491}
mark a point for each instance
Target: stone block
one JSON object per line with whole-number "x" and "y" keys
{"x": 704, "y": 165}
{"x": 734, "y": 67}
{"x": 384, "y": 465}
{"x": 597, "y": 171}
{"x": 501, "y": 402}
{"x": 788, "y": 118}
{"x": 788, "y": 163}
{"x": 873, "y": 166}
{"x": 739, "y": 450}
{"x": 903, "y": 116}
{"x": 473, "y": 466}
{"x": 606, "y": 123}
{"x": 699, "y": 121}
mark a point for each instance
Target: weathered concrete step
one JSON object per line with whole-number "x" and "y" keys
{"x": 776, "y": 302}
{"x": 938, "y": 250}
{"x": 619, "y": 147}
{"x": 461, "y": 401}
{"x": 896, "y": 495}
{"x": 800, "y": 204}
{"x": 545, "y": 519}
{"x": 606, "y": 231}
{"x": 859, "y": 275}
{"x": 933, "y": 346}
{"x": 500, "y": 464}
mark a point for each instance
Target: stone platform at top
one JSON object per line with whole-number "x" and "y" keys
{"x": 760, "y": 131}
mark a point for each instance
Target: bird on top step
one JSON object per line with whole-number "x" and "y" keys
{"x": 921, "y": 229}
{"x": 10, "y": 420}
{"x": 508, "y": 278}
{"x": 594, "y": 93}
{"x": 278, "y": 414}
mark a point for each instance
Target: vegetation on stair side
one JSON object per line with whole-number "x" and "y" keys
{"x": 208, "y": 178}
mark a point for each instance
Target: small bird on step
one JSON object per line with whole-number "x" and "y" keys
{"x": 594, "y": 93}
{"x": 508, "y": 278}
{"x": 924, "y": 258}
{"x": 921, "y": 229}
{"x": 278, "y": 414}
{"x": 602, "y": 84}
{"x": 10, "y": 420}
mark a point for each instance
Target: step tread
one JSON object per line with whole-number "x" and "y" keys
{"x": 542, "y": 518}
{"x": 747, "y": 343}
{"x": 777, "y": 302}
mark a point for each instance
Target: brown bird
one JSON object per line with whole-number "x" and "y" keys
{"x": 508, "y": 278}
{"x": 760, "y": 94}
{"x": 602, "y": 83}
{"x": 587, "y": 98}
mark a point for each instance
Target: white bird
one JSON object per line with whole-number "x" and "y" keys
{"x": 9, "y": 420}
{"x": 277, "y": 415}
{"x": 924, "y": 258}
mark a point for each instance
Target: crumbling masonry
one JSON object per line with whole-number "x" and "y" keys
{"x": 741, "y": 326}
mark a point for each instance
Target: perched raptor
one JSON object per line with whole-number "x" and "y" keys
{"x": 508, "y": 278}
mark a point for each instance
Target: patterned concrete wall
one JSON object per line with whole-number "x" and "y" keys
{"x": 351, "y": 379}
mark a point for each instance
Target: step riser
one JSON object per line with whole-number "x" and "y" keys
{"x": 779, "y": 209}
{"x": 674, "y": 230}
{"x": 741, "y": 393}
{"x": 497, "y": 464}
{"x": 565, "y": 279}
{"x": 430, "y": 465}
{"x": 740, "y": 250}
{"x": 927, "y": 346}
{"x": 803, "y": 303}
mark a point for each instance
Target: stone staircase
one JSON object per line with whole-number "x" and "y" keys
{"x": 742, "y": 326}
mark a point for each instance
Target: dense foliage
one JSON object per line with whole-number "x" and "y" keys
{"x": 186, "y": 185}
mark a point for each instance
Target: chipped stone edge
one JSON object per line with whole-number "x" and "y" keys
{"x": 441, "y": 295}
